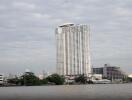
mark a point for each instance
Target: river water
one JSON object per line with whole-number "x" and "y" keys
{"x": 68, "y": 92}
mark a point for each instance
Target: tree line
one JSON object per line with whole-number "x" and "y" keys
{"x": 30, "y": 79}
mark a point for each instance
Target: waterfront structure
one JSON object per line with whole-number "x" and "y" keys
{"x": 73, "y": 53}
{"x": 97, "y": 77}
{"x": 1, "y": 79}
{"x": 97, "y": 70}
{"x": 110, "y": 72}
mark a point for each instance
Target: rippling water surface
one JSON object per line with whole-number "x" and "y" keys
{"x": 68, "y": 92}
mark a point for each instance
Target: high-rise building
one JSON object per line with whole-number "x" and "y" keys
{"x": 73, "y": 53}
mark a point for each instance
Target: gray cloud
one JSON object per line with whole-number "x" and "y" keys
{"x": 27, "y": 38}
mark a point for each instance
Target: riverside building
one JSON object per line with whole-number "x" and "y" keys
{"x": 73, "y": 50}
{"x": 1, "y": 79}
{"x": 110, "y": 72}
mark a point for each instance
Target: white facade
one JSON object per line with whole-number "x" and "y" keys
{"x": 1, "y": 79}
{"x": 97, "y": 76}
{"x": 73, "y": 53}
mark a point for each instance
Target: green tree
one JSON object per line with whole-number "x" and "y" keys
{"x": 14, "y": 81}
{"x": 57, "y": 79}
{"x": 44, "y": 81}
{"x": 81, "y": 79}
{"x": 129, "y": 79}
{"x": 29, "y": 79}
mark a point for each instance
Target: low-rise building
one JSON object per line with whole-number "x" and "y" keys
{"x": 98, "y": 70}
{"x": 1, "y": 79}
{"x": 97, "y": 77}
{"x": 110, "y": 72}
{"x": 69, "y": 79}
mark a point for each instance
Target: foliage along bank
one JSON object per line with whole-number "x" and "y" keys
{"x": 30, "y": 79}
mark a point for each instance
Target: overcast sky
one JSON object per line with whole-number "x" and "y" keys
{"x": 27, "y": 37}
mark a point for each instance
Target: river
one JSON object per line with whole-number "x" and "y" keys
{"x": 68, "y": 92}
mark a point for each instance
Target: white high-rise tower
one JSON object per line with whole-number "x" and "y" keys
{"x": 73, "y": 50}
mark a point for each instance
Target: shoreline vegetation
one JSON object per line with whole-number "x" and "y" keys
{"x": 30, "y": 79}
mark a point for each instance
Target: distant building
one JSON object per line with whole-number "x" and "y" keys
{"x": 98, "y": 70}
{"x": 1, "y": 79}
{"x": 11, "y": 76}
{"x": 109, "y": 72}
{"x": 97, "y": 77}
{"x": 44, "y": 75}
{"x": 73, "y": 55}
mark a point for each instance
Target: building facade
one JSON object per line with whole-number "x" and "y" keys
{"x": 109, "y": 72}
{"x": 73, "y": 53}
{"x": 1, "y": 79}
{"x": 97, "y": 70}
